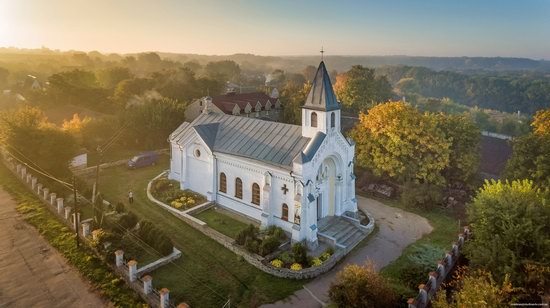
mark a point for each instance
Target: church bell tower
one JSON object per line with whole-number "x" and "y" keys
{"x": 321, "y": 111}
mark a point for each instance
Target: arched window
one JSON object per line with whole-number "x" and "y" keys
{"x": 256, "y": 194}
{"x": 284, "y": 215}
{"x": 223, "y": 183}
{"x": 238, "y": 188}
{"x": 313, "y": 119}
{"x": 332, "y": 120}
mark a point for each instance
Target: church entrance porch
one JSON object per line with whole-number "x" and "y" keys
{"x": 329, "y": 192}
{"x": 340, "y": 232}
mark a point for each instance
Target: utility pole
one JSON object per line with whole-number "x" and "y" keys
{"x": 76, "y": 211}
{"x": 96, "y": 185}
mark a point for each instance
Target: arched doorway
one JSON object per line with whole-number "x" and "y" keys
{"x": 326, "y": 180}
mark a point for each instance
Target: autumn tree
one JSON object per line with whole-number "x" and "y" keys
{"x": 128, "y": 88}
{"x": 28, "y": 135}
{"x": 110, "y": 77}
{"x": 293, "y": 97}
{"x": 359, "y": 88}
{"x": 397, "y": 141}
{"x": 464, "y": 151}
{"x": 361, "y": 287}
{"x": 511, "y": 223}
{"x": 530, "y": 158}
{"x": 477, "y": 289}
{"x": 223, "y": 71}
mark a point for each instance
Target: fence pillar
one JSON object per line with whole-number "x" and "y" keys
{"x": 85, "y": 229}
{"x": 147, "y": 284}
{"x": 455, "y": 249}
{"x": 449, "y": 259}
{"x": 441, "y": 269}
{"x": 422, "y": 295}
{"x": 53, "y": 197}
{"x": 183, "y": 305}
{"x": 23, "y": 172}
{"x": 132, "y": 270}
{"x": 119, "y": 258}
{"x": 39, "y": 189}
{"x": 466, "y": 232}
{"x": 67, "y": 212}
{"x": 33, "y": 183}
{"x": 29, "y": 178}
{"x": 18, "y": 168}
{"x": 461, "y": 239}
{"x": 432, "y": 281}
{"x": 76, "y": 220}
{"x": 164, "y": 298}
{"x": 46, "y": 192}
{"x": 59, "y": 206}
{"x": 410, "y": 302}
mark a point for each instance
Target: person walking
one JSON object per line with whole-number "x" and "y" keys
{"x": 130, "y": 197}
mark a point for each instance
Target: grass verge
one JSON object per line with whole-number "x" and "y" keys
{"x": 63, "y": 239}
{"x": 221, "y": 222}
{"x": 207, "y": 274}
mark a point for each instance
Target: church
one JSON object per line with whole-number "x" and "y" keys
{"x": 279, "y": 174}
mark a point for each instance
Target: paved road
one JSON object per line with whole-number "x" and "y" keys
{"x": 397, "y": 229}
{"x": 32, "y": 273}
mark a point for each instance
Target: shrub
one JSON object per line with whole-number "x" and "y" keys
{"x": 424, "y": 196}
{"x": 296, "y": 267}
{"x": 361, "y": 286}
{"x": 155, "y": 237}
{"x": 316, "y": 262}
{"x": 252, "y": 245}
{"x": 300, "y": 253}
{"x": 269, "y": 245}
{"x": 249, "y": 232}
{"x": 128, "y": 220}
{"x": 119, "y": 207}
{"x": 277, "y": 263}
{"x": 280, "y": 234}
{"x": 286, "y": 257}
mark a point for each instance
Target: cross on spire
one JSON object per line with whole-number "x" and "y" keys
{"x": 322, "y": 52}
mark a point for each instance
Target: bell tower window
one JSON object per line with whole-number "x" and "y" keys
{"x": 313, "y": 119}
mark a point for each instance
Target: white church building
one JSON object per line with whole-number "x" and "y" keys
{"x": 277, "y": 174}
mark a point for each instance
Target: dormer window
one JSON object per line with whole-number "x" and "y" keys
{"x": 313, "y": 119}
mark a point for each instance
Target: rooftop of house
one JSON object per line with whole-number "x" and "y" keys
{"x": 227, "y": 102}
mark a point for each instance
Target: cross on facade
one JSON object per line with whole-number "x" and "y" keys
{"x": 284, "y": 189}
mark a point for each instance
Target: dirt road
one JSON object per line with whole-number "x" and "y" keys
{"x": 34, "y": 274}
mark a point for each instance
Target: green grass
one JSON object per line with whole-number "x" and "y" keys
{"x": 445, "y": 230}
{"x": 207, "y": 273}
{"x": 221, "y": 222}
{"x": 63, "y": 239}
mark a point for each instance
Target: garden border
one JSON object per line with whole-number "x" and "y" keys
{"x": 253, "y": 259}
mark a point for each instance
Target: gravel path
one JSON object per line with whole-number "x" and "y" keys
{"x": 34, "y": 274}
{"x": 397, "y": 230}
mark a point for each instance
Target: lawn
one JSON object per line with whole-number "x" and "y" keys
{"x": 445, "y": 231}
{"x": 221, "y": 222}
{"x": 207, "y": 274}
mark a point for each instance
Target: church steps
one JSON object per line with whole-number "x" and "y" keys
{"x": 341, "y": 232}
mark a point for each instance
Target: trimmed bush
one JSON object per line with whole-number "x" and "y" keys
{"x": 269, "y": 245}
{"x": 287, "y": 258}
{"x": 250, "y": 232}
{"x": 128, "y": 220}
{"x": 155, "y": 237}
{"x": 300, "y": 253}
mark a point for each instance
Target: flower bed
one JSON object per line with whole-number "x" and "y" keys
{"x": 297, "y": 259}
{"x": 262, "y": 243}
{"x": 168, "y": 191}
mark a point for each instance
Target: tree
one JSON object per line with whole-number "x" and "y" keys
{"x": 464, "y": 151}
{"x": 397, "y": 141}
{"x": 77, "y": 87}
{"x": 27, "y": 130}
{"x": 193, "y": 66}
{"x": 126, "y": 89}
{"x": 361, "y": 286}
{"x": 511, "y": 223}
{"x": 293, "y": 97}
{"x": 151, "y": 123}
{"x": 223, "y": 71}
{"x": 477, "y": 290}
{"x": 359, "y": 89}
{"x": 110, "y": 77}
{"x": 530, "y": 159}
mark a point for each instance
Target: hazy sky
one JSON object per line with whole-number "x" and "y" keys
{"x": 390, "y": 27}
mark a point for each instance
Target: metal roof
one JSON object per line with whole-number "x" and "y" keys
{"x": 321, "y": 96}
{"x": 270, "y": 142}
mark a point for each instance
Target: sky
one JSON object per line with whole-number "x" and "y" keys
{"x": 508, "y": 28}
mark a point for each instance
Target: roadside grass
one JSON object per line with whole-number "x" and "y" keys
{"x": 222, "y": 223}
{"x": 445, "y": 230}
{"x": 63, "y": 239}
{"x": 206, "y": 274}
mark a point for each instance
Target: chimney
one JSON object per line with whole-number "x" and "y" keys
{"x": 207, "y": 100}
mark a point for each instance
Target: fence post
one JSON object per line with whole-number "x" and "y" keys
{"x": 60, "y": 206}
{"x": 34, "y": 180}
{"x": 132, "y": 270}
{"x": 24, "y": 172}
{"x": 53, "y": 197}
{"x": 147, "y": 284}
{"x": 85, "y": 229}
{"x": 119, "y": 258}
{"x": 46, "y": 192}
{"x": 164, "y": 298}
{"x": 18, "y": 168}
{"x": 432, "y": 280}
{"x": 422, "y": 294}
{"x": 29, "y": 178}
{"x": 39, "y": 188}
{"x": 461, "y": 239}
{"x": 410, "y": 302}
{"x": 441, "y": 269}
{"x": 67, "y": 212}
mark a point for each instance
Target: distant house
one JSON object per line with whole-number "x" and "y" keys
{"x": 256, "y": 104}
{"x": 33, "y": 82}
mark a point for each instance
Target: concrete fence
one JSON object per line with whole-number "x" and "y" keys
{"x": 443, "y": 268}
{"x": 131, "y": 273}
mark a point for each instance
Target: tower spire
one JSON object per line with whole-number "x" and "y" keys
{"x": 322, "y": 52}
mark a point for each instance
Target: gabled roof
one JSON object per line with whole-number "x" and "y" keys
{"x": 227, "y": 102}
{"x": 321, "y": 96}
{"x": 269, "y": 142}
